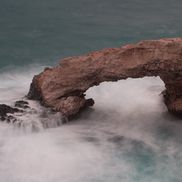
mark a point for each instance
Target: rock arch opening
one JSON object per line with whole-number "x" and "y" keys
{"x": 128, "y": 95}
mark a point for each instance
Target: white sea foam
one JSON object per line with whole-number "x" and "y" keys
{"x": 127, "y": 136}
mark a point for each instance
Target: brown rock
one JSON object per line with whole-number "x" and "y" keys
{"x": 62, "y": 88}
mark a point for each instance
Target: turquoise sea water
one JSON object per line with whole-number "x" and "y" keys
{"x": 45, "y": 31}
{"x": 128, "y": 136}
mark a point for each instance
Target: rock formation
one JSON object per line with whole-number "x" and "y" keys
{"x": 23, "y": 114}
{"x": 62, "y": 88}
{"x": 5, "y": 110}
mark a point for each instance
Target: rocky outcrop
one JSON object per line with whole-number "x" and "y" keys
{"x": 63, "y": 87}
{"x": 30, "y": 115}
{"x": 10, "y": 114}
{"x": 5, "y": 110}
{"x": 22, "y": 104}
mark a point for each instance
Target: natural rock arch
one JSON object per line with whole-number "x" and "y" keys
{"x": 62, "y": 88}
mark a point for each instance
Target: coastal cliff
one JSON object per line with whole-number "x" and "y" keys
{"x": 63, "y": 87}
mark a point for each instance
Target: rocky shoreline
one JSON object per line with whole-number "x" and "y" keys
{"x": 7, "y": 112}
{"x": 62, "y": 88}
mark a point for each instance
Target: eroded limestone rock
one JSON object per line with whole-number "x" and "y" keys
{"x": 62, "y": 88}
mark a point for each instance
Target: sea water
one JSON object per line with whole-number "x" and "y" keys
{"x": 128, "y": 135}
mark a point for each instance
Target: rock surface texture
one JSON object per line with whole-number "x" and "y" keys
{"x": 62, "y": 88}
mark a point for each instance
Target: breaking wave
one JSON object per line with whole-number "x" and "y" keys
{"x": 127, "y": 136}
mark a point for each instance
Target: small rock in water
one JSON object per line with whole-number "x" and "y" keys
{"x": 5, "y": 110}
{"x": 11, "y": 119}
{"x": 22, "y": 104}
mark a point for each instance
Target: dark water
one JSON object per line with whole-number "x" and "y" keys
{"x": 44, "y": 31}
{"x": 128, "y": 135}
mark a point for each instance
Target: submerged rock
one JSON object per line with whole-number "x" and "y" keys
{"x": 22, "y": 104}
{"x": 9, "y": 113}
{"x": 5, "y": 110}
{"x": 62, "y": 88}
{"x": 30, "y": 116}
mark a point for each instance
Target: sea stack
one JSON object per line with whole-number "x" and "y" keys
{"x": 63, "y": 87}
